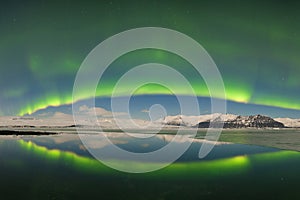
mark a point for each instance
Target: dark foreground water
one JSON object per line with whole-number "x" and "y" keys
{"x": 59, "y": 167}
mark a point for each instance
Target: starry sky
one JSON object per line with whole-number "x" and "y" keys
{"x": 255, "y": 45}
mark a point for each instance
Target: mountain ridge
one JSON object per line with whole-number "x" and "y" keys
{"x": 252, "y": 121}
{"x": 218, "y": 120}
{"x": 231, "y": 121}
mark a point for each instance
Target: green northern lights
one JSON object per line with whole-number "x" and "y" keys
{"x": 225, "y": 166}
{"x": 55, "y": 155}
{"x": 254, "y": 44}
{"x": 229, "y": 165}
{"x": 57, "y": 167}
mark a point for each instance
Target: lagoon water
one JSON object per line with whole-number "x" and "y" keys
{"x": 59, "y": 167}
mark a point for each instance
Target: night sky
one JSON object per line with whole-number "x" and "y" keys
{"x": 255, "y": 44}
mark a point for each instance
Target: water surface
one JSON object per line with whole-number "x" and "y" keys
{"x": 59, "y": 167}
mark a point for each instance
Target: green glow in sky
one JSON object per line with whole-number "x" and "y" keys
{"x": 255, "y": 45}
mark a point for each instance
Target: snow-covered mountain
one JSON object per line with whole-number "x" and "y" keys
{"x": 254, "y": 121}
{"x": 230, "y": 121}
{"x": 288, "y": 122}
{"x": 183, "y": 120}
{"x": 108, "y": 122}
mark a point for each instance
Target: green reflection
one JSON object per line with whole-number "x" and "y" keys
{"x": 235, "y": 164}
{"x": 213, "y": 168}
{"x": 276, "y": 157}
{"x": 76, "y": 161}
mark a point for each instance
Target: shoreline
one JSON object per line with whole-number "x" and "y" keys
{"x": 284, "y": 139}
{"x": 27, "y": 133}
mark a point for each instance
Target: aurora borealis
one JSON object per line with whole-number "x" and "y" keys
{"x": 193, "y": 170}
{"x": 255, "y": 45}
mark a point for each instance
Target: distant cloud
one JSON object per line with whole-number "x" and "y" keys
{"x": 96, "y": 110}
{"x": 100, "y": 112}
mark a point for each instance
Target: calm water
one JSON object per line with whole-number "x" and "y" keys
{"x": 59, "y": 167}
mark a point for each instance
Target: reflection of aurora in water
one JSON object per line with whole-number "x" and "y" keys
{"x": 227, "y": 166}
{"x": 56, "y": 155}
{"x": 48, "y": 168}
